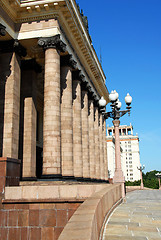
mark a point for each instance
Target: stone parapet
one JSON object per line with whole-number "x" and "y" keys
{"x": 88, "y": 221}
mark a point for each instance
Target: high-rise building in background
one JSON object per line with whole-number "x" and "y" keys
{"x": 130, "y": 154}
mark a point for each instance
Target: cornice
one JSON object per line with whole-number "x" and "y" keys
{"x": 68, "y": 15}
{"x": 11, "y": 7}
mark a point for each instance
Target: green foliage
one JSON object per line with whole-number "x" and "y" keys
{"x": 149, "y": 180}
{"x": 135, "y": 183}
{"x": 151, "y": 183}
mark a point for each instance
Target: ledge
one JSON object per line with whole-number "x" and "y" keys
{"x": 38, "y": 193}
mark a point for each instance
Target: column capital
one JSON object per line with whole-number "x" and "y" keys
{"x": 52, "y": 42}
{"x": 12, "y": 46}
{"x": 68, "y": 60}
{"x": 116, "y": 123}
{"x": 2, "y": 30}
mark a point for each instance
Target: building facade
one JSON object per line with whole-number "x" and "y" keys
{"x": 51, "y": 126}
{"x": 130, "y": 154}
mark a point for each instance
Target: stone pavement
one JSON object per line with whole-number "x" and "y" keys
{"x": 138, "y": 218}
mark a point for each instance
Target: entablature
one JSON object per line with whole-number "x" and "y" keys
{"x": 70, "y": 25}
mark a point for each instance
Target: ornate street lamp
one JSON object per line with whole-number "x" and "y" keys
{"x": 158, "y": 175}
{"x": 115, "y": 114}
{"x": 141, "y": 168}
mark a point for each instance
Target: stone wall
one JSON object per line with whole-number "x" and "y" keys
{"x": 43, "y": 221}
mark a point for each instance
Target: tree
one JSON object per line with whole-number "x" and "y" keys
{"x": 149, "y": 180}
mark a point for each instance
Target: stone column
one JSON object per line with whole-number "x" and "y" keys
{"x": 51, "y": 128}
{"x": 96, "y": 134}
{"x": 12, "y": 107}
{"x": 67, "y": 116}
{"x": 77, "y": 130}
{"x": 101, "y": 150}
{"x": 28, "y": 123}
{"x": 4, "y": 73}
{"x": 29, "y": 139}
{"x": 105, "y": 151}
{"x": 91, "y": 139}
{"x": 85, "y": 135}
{"x": 118, "y": 175}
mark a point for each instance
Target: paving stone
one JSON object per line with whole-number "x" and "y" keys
{"x": 141, "y": 228}
{"x": 115, "y": 237}
{"x": 124, "y": 223}
{"x": 138, "y": 218}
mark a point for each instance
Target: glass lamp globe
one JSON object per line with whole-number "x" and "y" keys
{"x": 116, "y": 94}
{"x": 128, "y": 99}
{"x": 112, "y": 96}
{"x": 102, "y": 102}
{"x": 119, "y": 104}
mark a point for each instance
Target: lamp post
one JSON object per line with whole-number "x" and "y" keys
{"x": 158, "y": 175}
{"x": 115, "y": 114}
{"x": 141, "y": 168}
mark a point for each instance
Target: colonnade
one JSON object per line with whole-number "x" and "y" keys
{"x": 74, "y": 131}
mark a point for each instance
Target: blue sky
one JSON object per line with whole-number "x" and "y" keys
{"x": 128, "y": 35}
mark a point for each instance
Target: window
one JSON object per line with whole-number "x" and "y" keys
{"x": 131, "y": 174}
{"x": 130, "y": 161}
{"x": 130, "y": 166}
{"x": 130, "y": 158}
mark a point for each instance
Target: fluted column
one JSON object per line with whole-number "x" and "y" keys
{"x": 52, "y": 118}
{"x": 11, "y": 107}
{"x": 85, "y": 135}
{"x": 67, "y": 64}
{"x": 105, "y": 151}
{"x": 91, "y": 140}
{"x": 77, "y": 130}
{"x": 96, "y": 133}
{"x": 66, "y": 122}
{"x": 101, "y": 150}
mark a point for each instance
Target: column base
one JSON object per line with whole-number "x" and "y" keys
{"x": 9, "y": 172}
{"x": 118, "y": 177}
